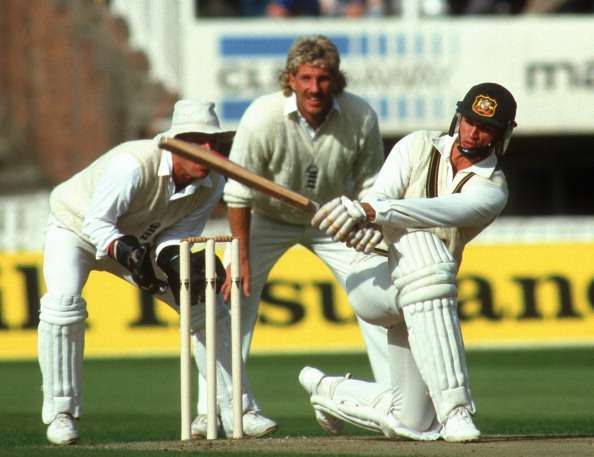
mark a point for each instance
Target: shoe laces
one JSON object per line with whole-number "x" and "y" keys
{"x": 64, "y": 419}
{"x": 460, "y": 411}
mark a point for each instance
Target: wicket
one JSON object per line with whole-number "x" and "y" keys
{"x": 185, "y": 343}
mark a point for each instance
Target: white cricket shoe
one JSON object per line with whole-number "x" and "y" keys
{"x": 310, "y": 378}
{"x": 199, "y": 427}
{"x": 459, "y": 427}
{"x": 254, "y": 425}
{"x": 63, "y": 430}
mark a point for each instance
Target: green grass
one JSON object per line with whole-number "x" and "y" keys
{"x": 536, "y": 392}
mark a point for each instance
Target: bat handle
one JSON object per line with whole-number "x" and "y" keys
{"x": 313, "y": 207}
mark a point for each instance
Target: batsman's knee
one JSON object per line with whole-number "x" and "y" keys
{"x": 371, "y": 291}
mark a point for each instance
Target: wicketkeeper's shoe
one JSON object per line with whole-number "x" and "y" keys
{"x": 459, "y": 427}
{"x": 310, "y": 379}
{"x": 254, "y": 426}
{"x": 63, "y": 430}
{"x": 199, "y": 427}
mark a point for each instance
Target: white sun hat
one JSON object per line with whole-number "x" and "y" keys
{"x": 197, "y": 116}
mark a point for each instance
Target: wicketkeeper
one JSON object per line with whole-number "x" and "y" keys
{"x": 433, "y": 195}
{"x": 126, "y": 214}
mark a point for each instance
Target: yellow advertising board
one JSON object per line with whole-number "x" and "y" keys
{"x": 509, "y": 295}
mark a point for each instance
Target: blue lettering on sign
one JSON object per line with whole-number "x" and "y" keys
{"x": 383, "y": 44}
{"x": 363, "y": 45}
{"x": 383, "y": 108}
{"x": 401, "y": 108}
{"x": 269, "y": 45}
{"x": 400, "y": 44}
{"x": 418, "y": 46}
{"x": 233, "y": 109}
{"x": 437, "y": 45}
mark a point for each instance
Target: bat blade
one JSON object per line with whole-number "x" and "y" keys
{"x": 241, "y": 174}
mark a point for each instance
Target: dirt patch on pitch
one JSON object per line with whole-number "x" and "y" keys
{"x": 488, "y": 446}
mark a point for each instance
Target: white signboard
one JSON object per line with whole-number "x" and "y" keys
{"x": 411, "y": 72}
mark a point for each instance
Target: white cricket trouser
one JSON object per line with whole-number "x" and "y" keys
{"x": 269, "y": 240}
{"x": 403, "y": 409}
{"x": 419, "y": 307}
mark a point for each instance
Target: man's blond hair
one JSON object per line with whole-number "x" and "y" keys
{"x": 318, "y": 51}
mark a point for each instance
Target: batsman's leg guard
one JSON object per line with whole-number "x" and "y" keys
{"x": 425, "y": 277}
{"x": 60, "y": 349}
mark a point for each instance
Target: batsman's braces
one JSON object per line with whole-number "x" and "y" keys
{"x": 126, "y": 214}
{"x": 434, "y": 194}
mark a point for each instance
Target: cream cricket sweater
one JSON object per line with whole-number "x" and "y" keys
{"x": 150, "y": 210}
{"x": 342, "y": 159}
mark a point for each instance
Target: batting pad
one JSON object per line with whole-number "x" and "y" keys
{"x": 60, "y": 347}
{"x": 436, "y": 343}
{"x": 425, "y": 277}
{"x": 62, "y": 309}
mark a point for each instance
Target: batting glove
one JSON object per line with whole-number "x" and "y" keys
{"x": 338, "y": 217}
{"x": 365, "y": 238}
{"x": 324, "y": 212}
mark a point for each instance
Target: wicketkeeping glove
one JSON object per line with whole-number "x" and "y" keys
{"x": 134, "y": 256}
{"x": 168, "y": 261}
{"x": 338, "y": 217}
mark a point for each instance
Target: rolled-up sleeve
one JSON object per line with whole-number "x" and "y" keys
{"x": 247, "y": 152}
{"x": 111, "y": 199}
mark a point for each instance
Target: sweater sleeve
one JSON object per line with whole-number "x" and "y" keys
{"x": 247, "y": 151}
{"x": 110, "y": 200}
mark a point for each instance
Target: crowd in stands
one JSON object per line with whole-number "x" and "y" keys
{"x": 370, "y": 8}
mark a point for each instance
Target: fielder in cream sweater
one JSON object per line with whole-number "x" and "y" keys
{"x": 318, "y": 140}
{"x": 126, "y": 214}
{"x": 342, "y": 156}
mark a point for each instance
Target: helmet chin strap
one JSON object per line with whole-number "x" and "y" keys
{"x": 470, "y": 153}
{"x": 475, "y": 153}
